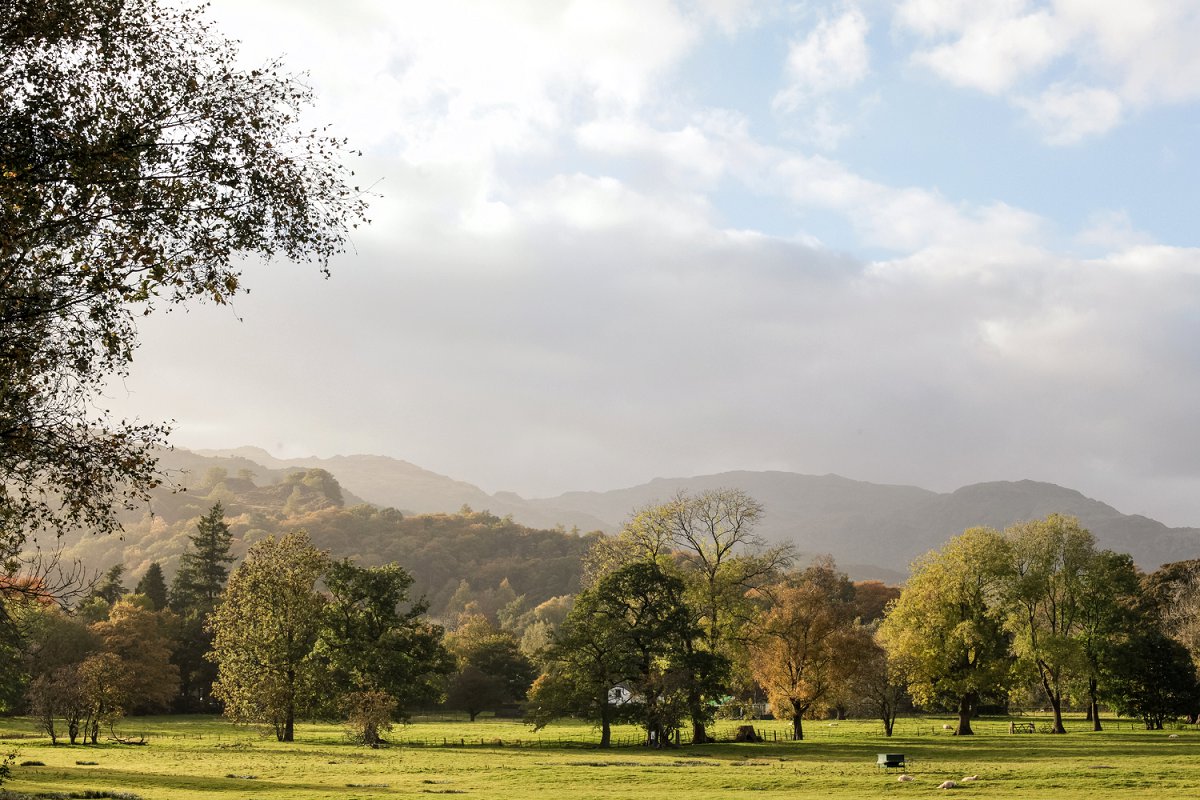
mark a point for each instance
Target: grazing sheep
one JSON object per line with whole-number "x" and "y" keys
{"x": 1173, "y": 736}
{"x": 947, "y": 727}
{"x": 949, "y": 785}
{"x": 905, "y": 778}
{"x": 969, "y": 778}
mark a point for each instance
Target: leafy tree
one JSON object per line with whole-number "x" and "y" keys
{"x": 1044, "y": 598}
{"x": 104, "y": 682}
{"x": 491, "y": 669}
{"x": 588, "y": 657}
{"x": 876, "y": 686}
{"x": 808, "y": 643}
{"x": 153, "y": 586}
{"x": 376, "y": 641}
{"x": 709, "y": 538}
{"x": 139, "y": 166}
{"x": 945, "y": 633}
{"x": 1151, "y": 676}
{"x": 264, "y": 631}
{"x": 141, "y": 639}
{"x": 1110, "y": 608}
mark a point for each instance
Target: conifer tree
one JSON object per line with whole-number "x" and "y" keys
{"x": 154, "y": 586}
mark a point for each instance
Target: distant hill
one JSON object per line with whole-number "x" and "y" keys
{"x": 872, "y": 530}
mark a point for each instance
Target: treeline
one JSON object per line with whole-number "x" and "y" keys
{"x": 683, "y": 616}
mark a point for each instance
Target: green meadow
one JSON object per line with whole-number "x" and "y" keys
{"x": 189, "y": 758}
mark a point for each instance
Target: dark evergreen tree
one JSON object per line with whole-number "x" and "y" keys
{"x": 203, "y": 571}
{"x": 204, "y": 568}
{"x": 154, "y": 586}
{"x": 110, "y": 589}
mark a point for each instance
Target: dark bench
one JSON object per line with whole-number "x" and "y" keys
{"x": 1021, "y": 727}
{"x": 888, "y": 760}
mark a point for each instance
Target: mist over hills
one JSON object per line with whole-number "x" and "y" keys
{"x": 871, "y": 530}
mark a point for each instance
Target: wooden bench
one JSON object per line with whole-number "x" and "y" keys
{"x": 888, "y": 760}
{"x": 1021, "y": 727}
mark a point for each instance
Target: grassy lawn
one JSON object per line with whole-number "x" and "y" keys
{"x": 203, "y": 757}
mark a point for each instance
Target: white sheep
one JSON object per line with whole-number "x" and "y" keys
{"x": 1173, "y": 736}
{"x": 949, "y": 785}
{"x": 905, "y": 778}
{"x": 947, "y": 727}
{"x": 969, "y": 778}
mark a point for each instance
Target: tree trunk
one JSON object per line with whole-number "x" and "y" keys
{"x": 1094, "y": 705}
{"x": 696, "y": 711}
{"x": 605, "y": 722}
{"x": 472, "y": 714}
{"x": 289, "y": 725}
{"x": 966, "y": 705}
{"x": 889, "y": 722}
{"x": 797, "y": 723}
{"x": 1055, "y": 699}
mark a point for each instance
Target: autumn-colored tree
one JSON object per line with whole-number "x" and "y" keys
{"x": 808, "y": 643}
{"x": 141, "y": 638}
{"x": 945, "y": 633}
{"x": 264, "y": 630}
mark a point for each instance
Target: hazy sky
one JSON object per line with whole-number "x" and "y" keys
{"x": 931, "y": 242}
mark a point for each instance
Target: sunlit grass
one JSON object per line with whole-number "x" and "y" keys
{"x": 202, "y": 757}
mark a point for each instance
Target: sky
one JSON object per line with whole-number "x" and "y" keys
{"x": 929, "y": 242}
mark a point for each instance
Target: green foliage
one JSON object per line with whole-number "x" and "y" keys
{"x": 139, "y": 165}
{"x": 1044, "y": 599}
{"x": 491, "y": 670}
{"x": 374, "y": 639}
{"x": 141, "y": 639}
{"x": 264, "y": 630}
{"x": 1151, "y": 676}
{"x": 203, "y": 567}
{"x": 153, "y": 586}
{"x": 945, "y": 633}
{"x": 110, "y": 587}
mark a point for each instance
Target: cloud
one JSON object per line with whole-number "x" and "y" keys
{"x": 1069, "y": 114}
{"x": 832, "y": 57}
{"x": 1119, "y": 55}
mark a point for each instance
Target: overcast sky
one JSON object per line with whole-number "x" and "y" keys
{"x": 931, "y": 242}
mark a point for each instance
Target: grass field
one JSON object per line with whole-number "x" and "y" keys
{"x": 201, "y": 757}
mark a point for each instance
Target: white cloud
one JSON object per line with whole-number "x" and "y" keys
{"x": 994, "y": 52}
{"x": 1068, "y": 114}
{"x": 834, "y": 56}
{"x": 1120, "y": 55}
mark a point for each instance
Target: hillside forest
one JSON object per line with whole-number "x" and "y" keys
{"x": 275, "y": 600}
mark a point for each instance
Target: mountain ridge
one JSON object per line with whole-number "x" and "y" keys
{"x": 872, "y": 530}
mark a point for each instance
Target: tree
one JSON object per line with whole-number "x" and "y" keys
{"x": 945, "y": 633}
{"x": 808, "y": 643}
{"x": 491, "y": 669}
{"x": 876, "y": 686}
{"x": 1151, "y": 676}
{"x": 264, "y": 631}
{"x": 589, "y": 657}
{"x": 1044, "y": 595}
{"x": 203, "y": 571}
{"x": 110, "y": 588}
{"x": 140, "y": 638}
{"x": 376, "y": 642}
{"x": 139, "y": 166}
{"x": 1110, "y": 608}
{"x": 153, "y": 586}
{"x": 709, "y": 539}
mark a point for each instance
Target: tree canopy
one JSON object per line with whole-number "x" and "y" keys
{"x": 139, "y": 166}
